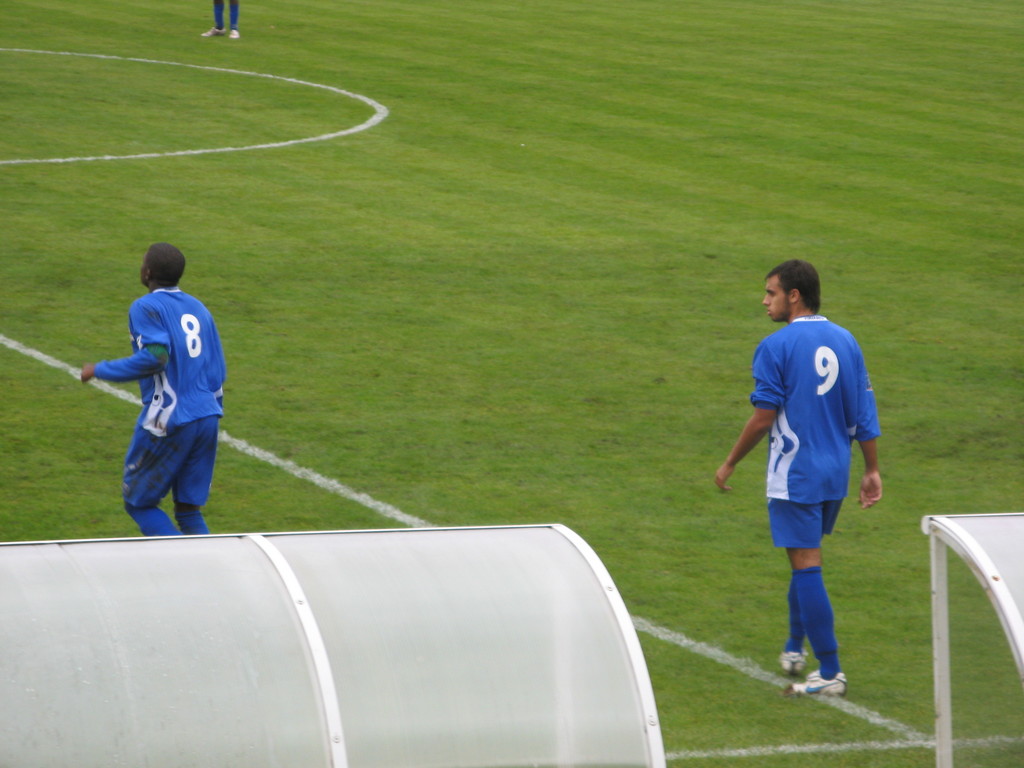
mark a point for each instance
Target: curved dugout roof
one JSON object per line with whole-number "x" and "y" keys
{"x": 453, "y": 648}
{"x": 992, "y": 545}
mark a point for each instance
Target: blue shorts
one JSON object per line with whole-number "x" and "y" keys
{"x": 801, "y": 526}
{"x": 181, "y": 461}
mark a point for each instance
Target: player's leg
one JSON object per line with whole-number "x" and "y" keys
{"x": 799, "y": 528}
{"x": 234, "y": 10}
{"x": 817, "y": 616}
{"x": 152, "y": 521}
{"x": 816, "y": 612}
{"x": 192, "y": 483}
{"x": 190, "y": 519}
{"x": 793, "y": 658}
{"x": 146, "y": 480}
{"x": 218, "y": 20}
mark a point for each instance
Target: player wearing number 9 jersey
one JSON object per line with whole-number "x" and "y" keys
{"x": 812, "y": 374}
{"x": 179, "y": 364}
{"x": 812, "y": 394}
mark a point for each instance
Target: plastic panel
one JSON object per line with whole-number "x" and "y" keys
{"x": 439, "y": 648}
{"x": 466, "y": 649}
{"x": 1001, "y": 540}
{"x": 152, "y": 653}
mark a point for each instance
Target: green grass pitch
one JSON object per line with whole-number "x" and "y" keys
{"x": 531, "y": 294}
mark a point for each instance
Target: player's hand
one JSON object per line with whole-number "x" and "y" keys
{"x": 722, "y": 477}
{"x": 88, "y": 371}
{"x": 870, "y": 489}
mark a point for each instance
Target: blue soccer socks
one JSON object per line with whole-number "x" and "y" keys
{"x": 816, "y": 617}
{"x": 795, "y": 643}
{"x": 152, "y": 521}
{"x": 191, "y": 522}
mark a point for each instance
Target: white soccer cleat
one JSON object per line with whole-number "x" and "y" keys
{"x": 213, "y": 32}
{"x": 234, "y": 34}
{"x": 816, "y": 685}
{"x": 793, "y": 662}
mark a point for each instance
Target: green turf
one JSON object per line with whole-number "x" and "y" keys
{"x": 531, "y": 294}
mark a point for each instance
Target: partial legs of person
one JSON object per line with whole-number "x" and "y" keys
{"x": 234, "y": 10}
{"x": 192, "y": 482}
{"x": 793, "y": 658}
{"x": 152, "y": 521}
{"x": 815, "y": 616}
{"x": 799, "y": 528}
{"x": 217, "y": 30}
{"x": 218, "y": 20}
{"x": 148, "y": 473}
{"x": 190, "y": 519}
{"x": 182, "y": 461}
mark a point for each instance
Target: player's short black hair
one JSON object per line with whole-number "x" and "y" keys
{"x": 800, "y": 274}
{"x": 166, "y": 264}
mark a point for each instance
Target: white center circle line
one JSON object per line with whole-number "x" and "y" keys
{"x": 380, "y": 112}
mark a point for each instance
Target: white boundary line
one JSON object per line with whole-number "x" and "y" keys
{"x": 825, "y": 749}
{"x": 750, "y": 669}
{"x": 380, "y": 112}
{"x": 326, "y": 483}
{"x": 910, "y": 737}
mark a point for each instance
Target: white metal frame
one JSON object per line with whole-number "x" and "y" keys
{"x": 655, "y": 745}
{"x": 317, "y": 649}
{"x": 944, "y": 531}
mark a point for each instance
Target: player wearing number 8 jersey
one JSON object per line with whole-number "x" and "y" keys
{"x": 812, "y": 394}
{"x": 179, "y": 364}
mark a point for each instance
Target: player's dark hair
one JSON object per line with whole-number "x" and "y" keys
{"x": 166, "y": 264}
{"x": 801, "y": 275}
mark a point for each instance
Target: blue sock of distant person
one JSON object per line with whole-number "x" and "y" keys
{"x": 218, "y": 14}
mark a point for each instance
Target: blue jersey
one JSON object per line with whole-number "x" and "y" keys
{"x": 190, "y": 385}
{"x": 812, "y": 373}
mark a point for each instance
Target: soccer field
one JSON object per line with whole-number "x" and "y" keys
{"x": 500, "y": 262}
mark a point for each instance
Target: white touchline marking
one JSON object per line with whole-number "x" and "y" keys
{"x": 379, "y": 110}
{"x": 326, "y": 483}
{"x": 750, "y": 669}
{"x": 323, "y": 482}
{"x": 744, "y": 666}
{"x": 850, "y": 746}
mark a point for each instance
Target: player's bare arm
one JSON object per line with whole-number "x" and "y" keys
{"x": 871, "y": 482}
{"x": 757, "y": 426}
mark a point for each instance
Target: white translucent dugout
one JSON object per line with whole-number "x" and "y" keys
{"x": 433, "y": 648}
{"x": 993, "y": 547}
